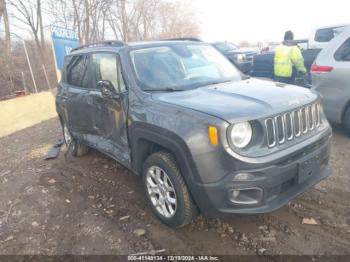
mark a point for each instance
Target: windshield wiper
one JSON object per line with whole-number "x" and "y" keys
{"x": 216, "y": 82}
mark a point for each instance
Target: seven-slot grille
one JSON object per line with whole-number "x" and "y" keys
{"x": 293, "y": 124}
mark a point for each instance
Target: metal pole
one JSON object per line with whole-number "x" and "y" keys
{"x": 47, "y": 79}
{"x": 24, "y": 83}
{"x": 30, "y": 66}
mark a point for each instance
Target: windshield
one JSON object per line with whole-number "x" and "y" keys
{"x": 181, "y": 67}
{"x": 225, "y": 46}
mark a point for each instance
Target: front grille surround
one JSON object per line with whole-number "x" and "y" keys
{"x": 293, "y": 124}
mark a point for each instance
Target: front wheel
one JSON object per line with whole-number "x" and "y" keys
{"x": 166, "y": 190}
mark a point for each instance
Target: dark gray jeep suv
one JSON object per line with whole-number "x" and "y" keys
{"x": 203, "y": 137}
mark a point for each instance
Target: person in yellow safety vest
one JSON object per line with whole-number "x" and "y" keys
{"x": 288, "y": 55}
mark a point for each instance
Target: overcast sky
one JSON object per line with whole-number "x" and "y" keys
{"x": 258, "y": 20}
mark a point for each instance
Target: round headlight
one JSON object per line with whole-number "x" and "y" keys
{"x": 241, "y": 134}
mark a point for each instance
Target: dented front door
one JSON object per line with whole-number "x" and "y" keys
{"x": 110, "y": 113}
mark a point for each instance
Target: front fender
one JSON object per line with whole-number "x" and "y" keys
{"x": 175, "y": 145}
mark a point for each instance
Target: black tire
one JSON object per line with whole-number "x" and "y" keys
{"x": 186, "y": 211}
{"x": 347, "y": 119}
{"x": 74, "y": 148}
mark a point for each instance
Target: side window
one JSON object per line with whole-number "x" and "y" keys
{"x": 76, "y": 71}
{"x": 106, "y": 67}
{"x": 343, "y": 52}
{"x": 324, "y": 35}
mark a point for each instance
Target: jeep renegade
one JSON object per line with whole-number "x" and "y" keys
{"x": 204, "y": 137}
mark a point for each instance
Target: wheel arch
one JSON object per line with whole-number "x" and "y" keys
{"x": 147, "y": 139}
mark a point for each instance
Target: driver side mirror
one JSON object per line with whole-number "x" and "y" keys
{"x": 107, "y": 89}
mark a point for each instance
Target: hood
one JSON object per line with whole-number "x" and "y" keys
{"x": 242, "y": 100}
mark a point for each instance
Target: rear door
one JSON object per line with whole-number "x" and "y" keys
{"x": 110, "y": 114}
{"x": 334, "y": 83}
{"x": 79, "y": 101}
{"x": 341, "y": 76}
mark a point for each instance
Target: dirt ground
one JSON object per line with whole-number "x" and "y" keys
{"x": 91, "y": 205}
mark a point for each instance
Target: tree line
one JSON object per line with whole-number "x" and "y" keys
{"x": 94, "y": 20}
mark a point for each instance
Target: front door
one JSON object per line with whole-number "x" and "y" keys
{"x": 78, "y": 100}
{"x": 110, "y": 114}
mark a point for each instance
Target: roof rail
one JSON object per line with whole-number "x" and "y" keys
{"x": 102, "y": 43}
{"x": 183, "y": 39}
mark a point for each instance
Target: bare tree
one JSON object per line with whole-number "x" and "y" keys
{"x": 132, "y": 20}
{"x": 28, "y": 15}
{"x": 87, "y": 17}
{"x": 8, "y": 58}
{"x": 60, "y": 12}
{"x": 41, "y": 26}
{"x": 176, "y": 19}
{"x": 94, "y": 20}
{"x": 87, "y": 21}
{"x": 1, "y": 8}
{"x": 4, "y": 14}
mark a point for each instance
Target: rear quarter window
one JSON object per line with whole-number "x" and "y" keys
{"x": 76, "y": 70}
{"x": 343, "y": 52}
{"x": 324, "y": 35}
{"x": 67, "y": 60}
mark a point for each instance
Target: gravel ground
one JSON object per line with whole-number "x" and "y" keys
{"x": 91, "y": 205}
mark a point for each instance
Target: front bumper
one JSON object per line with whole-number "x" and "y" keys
{"x": 280, "y": 182}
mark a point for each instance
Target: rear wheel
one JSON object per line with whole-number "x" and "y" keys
{"x": 347, "y": 119}
{"x": 66, "y": 134}
{"x": 166, "y": 190}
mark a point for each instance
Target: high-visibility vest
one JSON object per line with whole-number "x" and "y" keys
{"x": 285, "y": 58}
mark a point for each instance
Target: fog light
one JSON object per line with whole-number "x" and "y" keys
{"x": 235, "y": 194}
{"x": 246, "y": 196}
{"x": 243, "y": 177}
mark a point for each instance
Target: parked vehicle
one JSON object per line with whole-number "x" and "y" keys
{"x": 203, "y": 137}
{"x": 321, "y": 36}
{"x": 263, "y": 64}
{"x": 331, "y": 77}
{"x": 243, "y": 59}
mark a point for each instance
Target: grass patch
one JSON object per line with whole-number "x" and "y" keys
{"x": 22, "y": 112}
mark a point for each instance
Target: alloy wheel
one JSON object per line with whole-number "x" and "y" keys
{"x": 161, "y": 191}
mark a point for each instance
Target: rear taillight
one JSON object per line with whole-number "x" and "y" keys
{"x": 320, "y": 69}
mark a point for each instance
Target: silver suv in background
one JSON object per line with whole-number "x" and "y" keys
{"x": 331, "y": 77}
{"x": 321, "y": 36}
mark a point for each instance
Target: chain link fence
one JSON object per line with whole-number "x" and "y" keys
{"x": 15, "y": 75}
